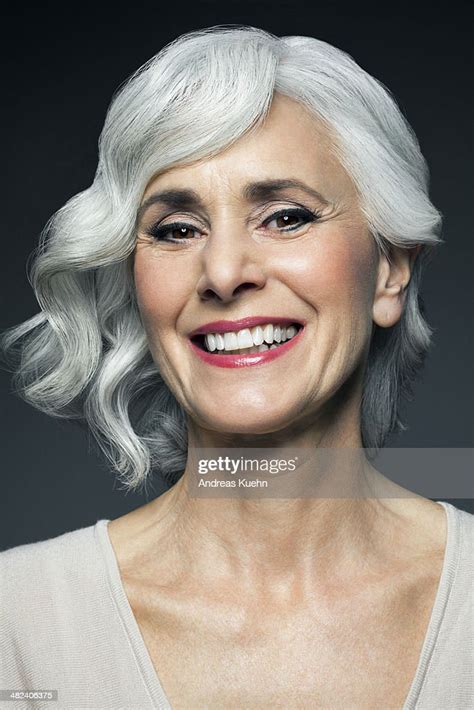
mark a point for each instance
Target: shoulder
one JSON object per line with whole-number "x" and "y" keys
{"x": 35, "y": 574}
{"x": 466, "y": 519}
{"x": 46, "y": 590}
{"x": 49, "y": 551}
{"x": 449, "y": 645}
{"x": 462, "y": 527}
{"x": 456, "y": 593}
{"x": 459, "y": 559}
{"x": 465, "y": 529}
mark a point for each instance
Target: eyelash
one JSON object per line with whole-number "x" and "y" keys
{"x": 306, "y": 215}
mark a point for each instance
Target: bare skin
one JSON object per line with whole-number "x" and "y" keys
{"x": 340, "y": 630}
{"x": 263, "y": 603}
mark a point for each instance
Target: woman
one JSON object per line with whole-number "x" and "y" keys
{"x": 261, "y": 197}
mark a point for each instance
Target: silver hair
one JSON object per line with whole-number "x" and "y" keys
{"x": 85, "y": 355}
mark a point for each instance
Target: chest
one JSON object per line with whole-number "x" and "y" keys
{"x": 352, "y": 652}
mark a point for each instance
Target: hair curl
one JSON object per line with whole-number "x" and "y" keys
{"x": 85, "y": 354}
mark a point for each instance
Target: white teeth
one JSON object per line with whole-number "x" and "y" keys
{"x": 257, "y": 335}
{"x": 250, "y": 340}
{"x": 273, "y": 347}
{"x": 210, "y": 342}
{"x": 244, "y": 339}
{"x": 230, "y": 341}
{"x": 268, "y": 333}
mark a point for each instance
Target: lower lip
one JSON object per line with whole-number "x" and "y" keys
{"x": 242, "y": 360}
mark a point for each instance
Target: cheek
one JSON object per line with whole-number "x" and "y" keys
{"x": 336, "y": 273}
{"x": 158, "y": 292}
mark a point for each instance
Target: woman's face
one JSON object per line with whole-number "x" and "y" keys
{"x": 271, "y": 228}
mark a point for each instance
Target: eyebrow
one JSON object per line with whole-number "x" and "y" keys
{"x": 252, "y": 192}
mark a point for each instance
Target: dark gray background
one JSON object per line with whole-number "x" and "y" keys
{"x": 61, "y": 65}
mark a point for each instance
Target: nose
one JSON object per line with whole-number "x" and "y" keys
{"x": 231, "y": 264}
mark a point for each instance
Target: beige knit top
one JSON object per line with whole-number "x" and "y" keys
{"x": 66, "y": 625}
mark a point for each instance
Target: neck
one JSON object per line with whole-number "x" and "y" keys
{"x": 287, "y": 548}
{"x": 310, "y": 535}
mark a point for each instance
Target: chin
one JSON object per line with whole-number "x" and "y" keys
{"x": 246, "y": 421}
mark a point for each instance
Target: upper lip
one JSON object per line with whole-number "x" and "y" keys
{"x": 225, "y": 326}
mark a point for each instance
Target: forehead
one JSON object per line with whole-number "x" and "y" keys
{"x": 290, "y": 143}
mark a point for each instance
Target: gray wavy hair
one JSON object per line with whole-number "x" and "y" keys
{"x": 85, "y": 355}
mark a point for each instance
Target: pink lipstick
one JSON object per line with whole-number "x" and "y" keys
{"x": 242, "y": 359}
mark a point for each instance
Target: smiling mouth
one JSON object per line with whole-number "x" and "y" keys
{"x": 247, "y": 341}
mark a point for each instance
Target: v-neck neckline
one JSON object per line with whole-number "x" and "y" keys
{"x": 450, "y": 563}
{"x": 150, "y": 676}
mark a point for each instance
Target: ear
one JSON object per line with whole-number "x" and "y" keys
{"x": 393, "y": 276}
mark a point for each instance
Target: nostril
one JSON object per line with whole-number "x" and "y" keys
{"x": 243, "y": 287}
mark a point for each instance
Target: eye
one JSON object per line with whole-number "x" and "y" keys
{"x": 175, "y": 232}
{"x": 289, "y": 220}
{"x": 286, "y": 220}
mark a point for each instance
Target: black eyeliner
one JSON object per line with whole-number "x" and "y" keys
{"x": 156, "y": 231}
